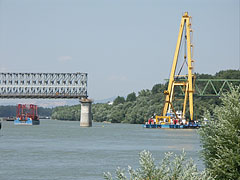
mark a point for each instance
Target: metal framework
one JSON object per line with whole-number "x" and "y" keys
{"x": 25, "y": 111}
{"x": 188, "y": 84}
{"x": 211, "y": 87}
{"x": 43, "y": 85}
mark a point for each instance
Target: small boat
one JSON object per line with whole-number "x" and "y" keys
{"x": 9, "y": 119}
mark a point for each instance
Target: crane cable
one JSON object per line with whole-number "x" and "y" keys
{"x": 185, "y": 51}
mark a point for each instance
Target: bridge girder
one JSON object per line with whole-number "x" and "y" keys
{"x": 43, "y": 85}
{"x": 211, "y": 87}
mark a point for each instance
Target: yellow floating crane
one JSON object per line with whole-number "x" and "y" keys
{"x": 174, "y": 81}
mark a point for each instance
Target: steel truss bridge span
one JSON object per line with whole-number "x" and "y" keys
{"x": 211, "y": 87}
{"x": 43, "y": 85}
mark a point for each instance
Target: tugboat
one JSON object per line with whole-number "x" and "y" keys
{"x": 27, "y": 115}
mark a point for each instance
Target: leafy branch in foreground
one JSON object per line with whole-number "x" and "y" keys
{"x": 220, "y": 138}
{"x": 172, "y": 167}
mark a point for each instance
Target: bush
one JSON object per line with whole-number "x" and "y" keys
{"x": 171, "y": 168}
{"x": 220, "y": 138}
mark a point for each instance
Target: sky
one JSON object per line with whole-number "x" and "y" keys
{"x": 124, "y": 45}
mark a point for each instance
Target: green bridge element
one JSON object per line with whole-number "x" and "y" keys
{"x": 214, "y": 87}
{"x": 210, "y": 87}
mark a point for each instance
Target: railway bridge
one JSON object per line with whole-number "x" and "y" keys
{"x": 48, "y": 86}
{"x": 210, "y": 87}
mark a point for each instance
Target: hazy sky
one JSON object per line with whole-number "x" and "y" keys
{"x": 123, "y": 45}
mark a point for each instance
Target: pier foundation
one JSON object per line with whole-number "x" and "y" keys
{"x": 86, "y": 113}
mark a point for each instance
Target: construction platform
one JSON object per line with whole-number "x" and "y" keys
{"x": 172, "y": 126}
{"x": 29, "y": 121}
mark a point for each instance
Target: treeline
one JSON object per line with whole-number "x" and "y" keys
{"x": 10, "y": 111}
{"x": 68, "y": 113}
{"x": 137, "y": 108}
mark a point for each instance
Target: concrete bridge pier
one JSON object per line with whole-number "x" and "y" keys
{"x": 86, "y": 113}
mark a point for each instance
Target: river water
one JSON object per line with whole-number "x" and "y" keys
{"x": 61, "y": 150}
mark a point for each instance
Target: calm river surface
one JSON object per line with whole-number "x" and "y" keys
{"x": 61, "y": 150}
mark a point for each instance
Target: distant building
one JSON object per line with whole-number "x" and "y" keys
{"x": 110, "y": 103}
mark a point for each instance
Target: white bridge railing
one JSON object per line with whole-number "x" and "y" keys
{"x": 43, "y": 85}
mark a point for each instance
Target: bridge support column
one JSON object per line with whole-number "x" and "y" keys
{"x": 86, "y": 113}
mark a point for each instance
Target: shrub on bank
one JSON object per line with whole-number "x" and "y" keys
{"x": 174, "y": 167}
{"x": 220, "y": 138}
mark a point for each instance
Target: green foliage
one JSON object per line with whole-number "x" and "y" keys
{"x": 8, "y": 111}
{"x": 44, "y": 111}
{"x": 119, "y": 100}
{"x": 131, "y": 97}
{"x": 228, "y": 74}
{"x": 159, "y": 88}
{"x": 172, "y": 167}
{"x": 69, "y": 113}
{"x": 221, "y": 138}
{"x": 117, "y": 114}
{"x": 101, "y": 112}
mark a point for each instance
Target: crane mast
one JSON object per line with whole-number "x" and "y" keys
{"x": 188, "y": 83}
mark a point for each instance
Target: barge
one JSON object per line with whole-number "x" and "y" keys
{"x": 171, "y": 121}
{"x": 27, "y": 115}
{"x": 29, "y": 121}
{"x": 173, "y": 126}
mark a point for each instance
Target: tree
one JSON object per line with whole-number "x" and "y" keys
{"x": 144, "y": 92}
{"x": 228, "y": 74}
{"x": 220, "y": 138}
{"x": 158, "y": 88}
{"x": 131, "y": 97}
{"x": 119, "y": 100}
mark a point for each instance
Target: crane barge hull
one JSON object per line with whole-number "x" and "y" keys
{"x": 27, "y": 122}
{"x": 172, "y": 126}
